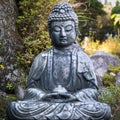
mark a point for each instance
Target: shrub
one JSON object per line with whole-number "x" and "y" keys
{"x": 110, "y": 45}
{"x": 90, "y": 46}
{"x": 114, "y": 69}
{"x": 111, "y": 96}
{"x": 108, "y": 80}
{"x": 111, "y": 93}
{"x": 32, "y": 26}
{"x": 4, "y": 100}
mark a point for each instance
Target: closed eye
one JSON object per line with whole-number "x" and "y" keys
{"x": 68, "y": 28}
{"x": 56, "y": 28}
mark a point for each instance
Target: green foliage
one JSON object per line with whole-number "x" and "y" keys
{"x": 116, "y": 9}
{"x": 9, "y": 86}
{"x": 111, "y": 96}
{"x": 108, "y": 80}
{"x": 115, "y": 16}
{"x": 114, "y": 69}
{"x": 111, "y": 93}
{"x": 87, "y": 14}
{"x": 96, "y": 8}
{"x": 4, "y": 100}
{"x": 110, "y": 45}
{"x": 32, "y": 26}
{"x": 91, "y": 8}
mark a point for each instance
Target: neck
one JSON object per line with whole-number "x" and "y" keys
{"x": 66, "y": 47}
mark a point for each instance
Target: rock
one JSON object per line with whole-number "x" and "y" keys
{"x": 101, "y": 62}
{"x": 117, "y": 78}
{"x": 2, "y": 93}
{"x": 20, "y": 92}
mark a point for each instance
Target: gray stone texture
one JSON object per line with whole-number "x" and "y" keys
{"x": 101, "y": 62}
{"x": 8, "y": 43}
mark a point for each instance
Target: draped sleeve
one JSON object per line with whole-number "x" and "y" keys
{"x": 85, "y": 67}
{"x": 36, "y": 69}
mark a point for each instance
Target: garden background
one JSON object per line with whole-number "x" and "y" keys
{"x": 24, "y": 34}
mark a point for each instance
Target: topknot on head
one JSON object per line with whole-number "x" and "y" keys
{"x": 62, "y": 11}
{"x": 62, "y": 8}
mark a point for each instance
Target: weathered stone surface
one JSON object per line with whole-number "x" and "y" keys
{"x": 117, "y": 78}
{"x": 20, "y": 92}
{"x": 2, "y": 93}
{"x": 102, "y": 61}
{"x": 8, "y": 43}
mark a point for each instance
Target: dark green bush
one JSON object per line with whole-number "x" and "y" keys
{"x": 111, "y": 96}
{"x": 108, "y": 80}
{"x": 111, "y": 93}
{"x": 4, "y": 101}
{"x": 114, "y": 69}
{"x": 32, "y": 26}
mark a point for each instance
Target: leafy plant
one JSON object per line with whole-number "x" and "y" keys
{"x": 4, "y": 100}
{"x": 110, "y": 94}
{"x": 114, "y": 69}
{"x": 87, "y": 12}
{"x": 90, "y": 46}
{"x": 108, "y": 80}
{"x": 32, "y": 26}
{"x": 116, "y": 18}
{"x": 110, "y": 45}
{"x": 9, "y": 86}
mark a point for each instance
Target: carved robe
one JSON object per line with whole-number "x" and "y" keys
{"x": 71, "y": 69}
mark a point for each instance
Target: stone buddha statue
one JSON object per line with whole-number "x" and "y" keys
{"x": 62, "y": 84}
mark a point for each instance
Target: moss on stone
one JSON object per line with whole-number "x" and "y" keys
{"x": 114, "y": 69}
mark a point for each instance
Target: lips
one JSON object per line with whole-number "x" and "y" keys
{"x": 63, "y": 40}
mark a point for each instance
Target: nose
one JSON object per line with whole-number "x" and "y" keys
{"x": 62, "y": 33}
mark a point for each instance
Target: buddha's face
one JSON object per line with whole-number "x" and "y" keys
{"x": 62, "y": 33}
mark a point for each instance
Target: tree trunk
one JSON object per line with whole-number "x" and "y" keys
{"x": 9, "y": 39}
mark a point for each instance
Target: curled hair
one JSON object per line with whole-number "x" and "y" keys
{"x": 62, "y": 12}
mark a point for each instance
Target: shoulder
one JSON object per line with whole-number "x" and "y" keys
{"x": 43, "y": 55}
{"x": 82, "y": 56}
{"x": 41, "y": 59}
{"x": 84, "y": 63}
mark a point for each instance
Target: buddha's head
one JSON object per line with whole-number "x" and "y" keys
{"x": 63, "y": 25}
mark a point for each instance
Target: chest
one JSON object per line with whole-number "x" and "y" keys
{"x": 61, "y": 68}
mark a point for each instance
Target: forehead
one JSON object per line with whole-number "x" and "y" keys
{"x": 62, "y": 23}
